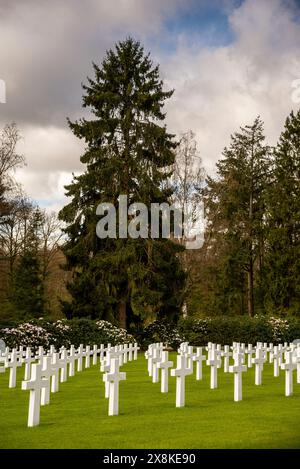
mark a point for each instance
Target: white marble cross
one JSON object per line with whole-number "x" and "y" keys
{"x": 125, "y": 353}
{"x": 199, "y": 358}
{"x": 2, "y": 364}
{"x": 113, "y": 378}
{"x": 136, "y": 348}
{"x": 289, "y": 366}
{"x": 226, "y": 354}
{"x": 95, "y": 354}
{"x": 270, "y": 350}
{"x": 183, "y": 347}
{"x": 214, "y": 363}
{"x": 164, "y": 365}
{"x": 13, "y": 363}
{"x": 28, "y": 360}
{"x": 116, "y": 352}
{"x": 105, "y": 368}
{"x": 280, "y": 350}
{"x": 156, "y": 358}
{"x": 40, "y": 354}
{"x": 149, "y": 355}
{"x": 130, "y": 350}
{"x": 111, "y": 352}
{"x": 276, "y": 356}
{"x": 219, "y": 354}
{"x": 80, "y": 355}
{"x": 35, "y": 385}
{"x": 71, "y": 361}
{"x": 238, "y": 368}
{"x": 102, "y": 350}
{"x": 5, "y": 354}
{"x": 180, "y": 373}
{"x": 210, "y": 347}
{"x": 258, "y": 361}
{"x": 88, "y": 354}
{"x": 120, "y": 350}
{"x": 189, "y": 354}
{"x": 55, "y": 367}
{"x": 46, "y": 374}
{"x": 250, "y": 352}
{"x": 63, "y": 366}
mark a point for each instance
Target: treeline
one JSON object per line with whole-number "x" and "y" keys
{"x": 29, "y": 243}
{"x": 250, "y": 261}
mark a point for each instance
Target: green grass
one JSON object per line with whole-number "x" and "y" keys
{"x": 77, "y": 415}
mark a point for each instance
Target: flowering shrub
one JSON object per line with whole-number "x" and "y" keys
{"x": 279, "y": 327}
{"x": 39, "y": 332}
{"x": 114, "y": 334}
{"x": 27, "y": 334}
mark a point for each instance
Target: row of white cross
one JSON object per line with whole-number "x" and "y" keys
{"x": 158, "y": 359}
{"x": 110, "y": 365}
{"x": 45, "y": 369}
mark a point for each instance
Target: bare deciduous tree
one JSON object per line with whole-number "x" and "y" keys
{"x": 9, "y": 158}
{"x": 187, "y": 181}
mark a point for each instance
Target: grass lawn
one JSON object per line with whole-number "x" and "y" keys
{"x": 77, "y": 415}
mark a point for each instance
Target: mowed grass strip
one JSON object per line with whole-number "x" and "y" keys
{"x": 77, "y": 414}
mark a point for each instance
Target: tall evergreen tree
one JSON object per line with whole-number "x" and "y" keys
{"x": 235, "y": 210}
{"x": 284, "y": 221}
{"x": 27, "y": 290}
{"x": 127, "y": 152}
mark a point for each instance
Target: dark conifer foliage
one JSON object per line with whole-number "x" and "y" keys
{"x": 128, "y": 151}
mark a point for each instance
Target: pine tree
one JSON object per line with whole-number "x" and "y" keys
{"x": 128, "y": 153}
{"x": 284, "y": 221}
{"x": 27, "y": 290}
{"x": 235, "y": 210}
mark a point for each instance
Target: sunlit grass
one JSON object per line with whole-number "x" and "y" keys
{"x": 77, "y": 415}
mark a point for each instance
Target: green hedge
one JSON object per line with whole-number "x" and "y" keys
{"x": 159, "y": 331}
{"x": 225, "y": 330}
{"x": 221, "y": 330}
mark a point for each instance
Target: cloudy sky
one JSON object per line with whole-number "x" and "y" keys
{"x": 228, "y": 61}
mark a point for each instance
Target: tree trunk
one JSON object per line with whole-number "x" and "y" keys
{"x": 122, "y": 314}
{"x": 250, "y": 270}
{"x": 250, "y": 288}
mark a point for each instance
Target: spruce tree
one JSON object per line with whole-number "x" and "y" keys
{"x": 283, "y": 294}
{"x": 235, "y": 210}
{"x": 128, "y": 151}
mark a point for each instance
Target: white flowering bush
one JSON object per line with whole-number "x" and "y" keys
{"x": 280, "y": 328}
{"x": 27, "y": 334}
{"x": 114, "y": 334}
{"x": 40, "y": 332}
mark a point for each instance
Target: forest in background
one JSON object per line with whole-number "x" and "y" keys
{"x": 249, "y": 263}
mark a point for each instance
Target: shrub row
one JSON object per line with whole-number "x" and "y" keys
{"x": 225, "y": 330}
{"x": 221, "y": 330}
{"x": 39, "y": 332}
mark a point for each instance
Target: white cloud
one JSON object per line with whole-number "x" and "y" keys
{"x": 46, "y": 50}
{"x": 52, "y": 155}
{"x": 219, "y": 89}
